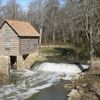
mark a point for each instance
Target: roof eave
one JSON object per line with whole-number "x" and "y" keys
{"x": 28, "y": 36}
{"x": 6, "y": 21}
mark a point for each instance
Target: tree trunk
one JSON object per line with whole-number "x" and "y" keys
{"x": 64, "y": 38}
{"x": 45, "y": 38}
{"x": 91, "y": 50}
{"x": 40, "y": 36}
{"x": 87, "y": 26}
{"x": 53, "y": 36}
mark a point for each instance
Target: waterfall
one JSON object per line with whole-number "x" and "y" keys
{"x": 42, "y": 76}
{"x": 62, "y": 67}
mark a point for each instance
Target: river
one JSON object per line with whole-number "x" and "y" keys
{"x": 42, "y": 82}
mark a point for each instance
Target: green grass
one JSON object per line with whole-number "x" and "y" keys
{"x": 57, "y": 50}
{"x": 59, "y": 54}
{"x": 66, "y": 54}
{"x": 48, "y": 50}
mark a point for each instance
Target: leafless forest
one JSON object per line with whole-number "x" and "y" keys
{"x": 70, "y": 22}
{"x": 75, "y": 22}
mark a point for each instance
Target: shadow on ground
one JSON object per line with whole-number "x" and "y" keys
{"x": 66, "y": 51}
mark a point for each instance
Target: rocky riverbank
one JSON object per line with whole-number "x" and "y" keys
{"x": 84, "y": 87}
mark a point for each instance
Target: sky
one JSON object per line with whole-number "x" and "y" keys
{"x": 24, "y": 3}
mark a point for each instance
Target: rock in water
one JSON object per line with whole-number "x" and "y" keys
{"x": 74, "y": 95}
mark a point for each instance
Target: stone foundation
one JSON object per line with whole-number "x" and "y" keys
{"x": 22, "y": 63}
{"x": 4, "y": 65}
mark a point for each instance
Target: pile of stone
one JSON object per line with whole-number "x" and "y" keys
{"x": 83, "y": 90}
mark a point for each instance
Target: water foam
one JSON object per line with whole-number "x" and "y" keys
{"x": 43, "y": 76}
{"x": 64, "y": 68}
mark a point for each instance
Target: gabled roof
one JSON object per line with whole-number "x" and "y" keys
{"x": 22, "y": 28}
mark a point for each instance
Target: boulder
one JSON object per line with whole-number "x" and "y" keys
{"x": 69, "y": 86}
{"x": 74, "y": 95}
{"x": 97, "y": 88}
{"x": 79, "y": 76}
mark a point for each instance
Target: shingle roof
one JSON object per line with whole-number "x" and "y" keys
{"x": 22, "y": 28}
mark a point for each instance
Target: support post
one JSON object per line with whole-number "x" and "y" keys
{"x": 20, "y": 62}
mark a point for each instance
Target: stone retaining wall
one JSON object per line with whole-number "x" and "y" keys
{"x": 4, "y": 65}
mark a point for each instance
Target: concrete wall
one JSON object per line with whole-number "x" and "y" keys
{"x": 4, "y": 65}
{"x": 20, "y": 63}
{"x": 30, "y": 60}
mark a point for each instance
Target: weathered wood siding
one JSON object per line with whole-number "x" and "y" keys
{"x": 28, "y": 45}
{"x": 7, "y": 35}
{"x": 18, "y": 45}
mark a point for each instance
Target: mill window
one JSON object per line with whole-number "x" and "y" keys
{"x": 7, "y": 44}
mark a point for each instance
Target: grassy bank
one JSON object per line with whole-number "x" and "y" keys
{"x": 62, "y": 54}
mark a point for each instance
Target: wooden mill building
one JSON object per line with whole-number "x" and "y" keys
{"x": 18, "y": 45}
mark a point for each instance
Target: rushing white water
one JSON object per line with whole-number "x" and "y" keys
{"x": 42, "y": 76}
{"x": 65, "y": 68}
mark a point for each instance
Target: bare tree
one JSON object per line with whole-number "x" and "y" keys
{"x": 36, "y": 14}
{"x": 89, "y": 14}
{"x": 1, "y": 10}
{"x": 11, "y": 9}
